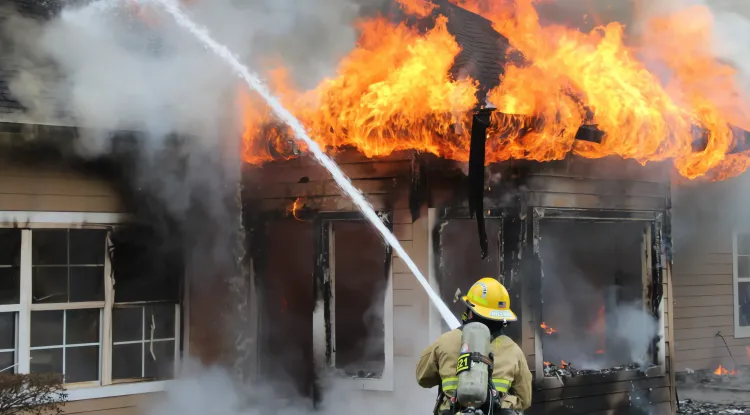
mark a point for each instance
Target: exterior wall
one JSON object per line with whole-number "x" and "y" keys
{"x": 705, "y": 216}
{"x": 385, "y": 183}
{"x": 59, "y": 190}
{"x": 54, "y": 190}
{"x": 599, "y": 185}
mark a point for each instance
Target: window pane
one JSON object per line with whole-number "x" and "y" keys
{"x": 49, "y": 285}
{"x": 47, "y": 361}
{"x": 86, "y": 284}
{"x": 162, "y": 318}
{"x": 87, "y": 246}
{"x": 10, "y": 259}
{"x": 10, "y": 285}
{"x": 163, "y": 366}
{"x": 7, "y": 359}
{"x": 743, "y": 266}
{"x": 81, "y": 364}
{"x": 126, "y": 361}
{"x": 743, "y": 297}
{"x": 10, "y": 247}
{"x": 7, "y": 331}
{"x": 743, "y": 244}
{"x": 82, "y": 326}
{"x": 49, "y": 247}
{"x": 46, "y": 328}
{"x": 127, "y": 324}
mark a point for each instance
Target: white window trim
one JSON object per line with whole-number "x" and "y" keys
{"x": 386, "y": 381}
{"x": 104, "y": 387}
{"x": 739, "y": 332}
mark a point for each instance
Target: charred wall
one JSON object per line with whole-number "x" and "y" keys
{"x": 521, "y": 196}
{"x": 159, "y": 247}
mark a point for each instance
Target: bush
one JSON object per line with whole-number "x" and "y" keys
{"x": 33, "y": 394}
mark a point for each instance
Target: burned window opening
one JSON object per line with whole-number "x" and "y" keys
{"x": 146, "y": 266}
{"x": 598, "y": 284}
{"x": 353, "y": 268}
{"x": 459, "y": 263}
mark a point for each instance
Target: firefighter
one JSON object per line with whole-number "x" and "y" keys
{"x": 487, "y": 302}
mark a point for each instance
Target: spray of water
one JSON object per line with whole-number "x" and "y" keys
{"x": 254, "y": 82}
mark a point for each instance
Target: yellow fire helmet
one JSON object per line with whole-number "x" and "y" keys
{"x": 489, "y": 299}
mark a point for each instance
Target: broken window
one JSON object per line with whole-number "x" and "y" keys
{"x": 358, "y": 267}
{"x": 595, "y": 276}
{"x": 64, "y": 306}
{"x": 742, "y": 285}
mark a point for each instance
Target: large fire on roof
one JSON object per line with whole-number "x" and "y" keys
{"x": 394, "y": 92}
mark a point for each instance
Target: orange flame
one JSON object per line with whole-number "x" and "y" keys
{"x": 563, "y": 363}
{"x": 547, "y": 328}
{"x": 547, "y": 363}
{"x": 721, "y": 371}
{"x": 421, "y": 8}
{"x": 295, "y": 207}
{"x": 394, "y": 92}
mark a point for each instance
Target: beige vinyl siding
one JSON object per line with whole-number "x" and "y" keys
{"x": 55, "y": 189}
{"x": 119, "y": 405}
{"x": 702, "y": 277}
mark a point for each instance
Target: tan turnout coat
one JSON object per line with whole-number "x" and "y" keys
{"x": 511, "y": 374}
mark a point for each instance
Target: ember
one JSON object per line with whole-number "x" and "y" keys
{"x": 547, "y": 329}
{"x": 295, "y": 208}
{"x": 721, "y": 371}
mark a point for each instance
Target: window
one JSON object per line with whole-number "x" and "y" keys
{"x": 59, "y": 312}
{"x": 10, "y": 283}
{"x": 741, "y": 251}
{"x": 359, "y": 304}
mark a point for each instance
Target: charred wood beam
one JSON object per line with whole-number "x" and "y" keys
{"x": 480, "y": 123}
{"x": 701, "y": 137}
{"x": 418, "y": 189}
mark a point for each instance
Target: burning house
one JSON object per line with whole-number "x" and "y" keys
{"x": 438, "y": 120}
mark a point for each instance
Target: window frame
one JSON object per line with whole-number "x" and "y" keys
{"x": 27, "y": 222}
{"x": 740, "y": 332}
{"x": 385, "y": 382}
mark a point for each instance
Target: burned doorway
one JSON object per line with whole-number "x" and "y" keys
{"x": 325, "y": 308}
{"x": 459, "y": 264}
{"x": 284, "y": 265}
{"x": 597, "y": 286}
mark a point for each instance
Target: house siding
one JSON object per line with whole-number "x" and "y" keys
{"x": 120, "y": 405}
{"x": 703, "y": 289}
{"x": 55, "y": 189}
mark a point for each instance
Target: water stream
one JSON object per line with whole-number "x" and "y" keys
{"x": 254, "y": 82}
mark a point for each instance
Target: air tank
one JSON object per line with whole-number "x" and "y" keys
{"x": 473, "y": 376}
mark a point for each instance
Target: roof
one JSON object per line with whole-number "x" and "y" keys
{"x": 484, "y": 51}
{"x": 482, "y": 56}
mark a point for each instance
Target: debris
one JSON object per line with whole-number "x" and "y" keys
{"x": 690, "y": 406}
{"x": 566, "y": 369}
